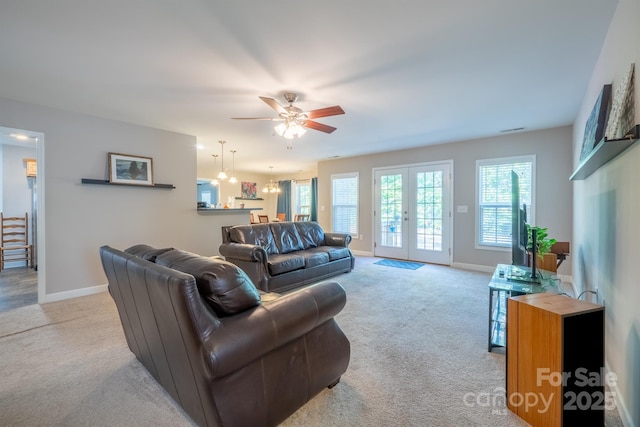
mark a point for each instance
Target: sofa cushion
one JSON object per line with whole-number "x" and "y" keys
{"x": 286, "y": 237}
{"x": 224, "y": 286}
{"x": 333, "y": 252}
{"x": 257, "y": 234}
{"x": 146, "y": 252}
{"x": 310, "y": 232}
{"x": 313, "y": 258}
{"x": 283, "y": 263}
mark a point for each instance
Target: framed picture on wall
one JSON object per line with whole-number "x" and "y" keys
{"x": 128, "y": 169}
{"x": 623, "y": 108}
{"x": 249, "y": 190}
{"x": 594, "y": 129}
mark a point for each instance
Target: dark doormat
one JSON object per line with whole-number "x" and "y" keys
{"x": 407, "y": 265}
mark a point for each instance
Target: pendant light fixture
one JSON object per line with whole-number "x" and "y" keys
{"x": 271, "y": 187}
{"x": 233, "y": 178}
{"x": 214, "y": 181}
{"x": 222, "y": 175}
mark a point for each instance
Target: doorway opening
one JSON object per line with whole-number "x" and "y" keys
{"x": 413, "y": 205}
{"x": 21, "y": 172}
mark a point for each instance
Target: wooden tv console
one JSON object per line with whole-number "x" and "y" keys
{"x": 555, "y": 360}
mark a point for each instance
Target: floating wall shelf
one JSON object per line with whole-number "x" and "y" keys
{"x": 106, "y": 182}
{"x": 248, "y": 198}
{"x": 603, "y": 153}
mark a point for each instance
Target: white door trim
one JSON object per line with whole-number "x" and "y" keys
{"x": 450, "y": 203}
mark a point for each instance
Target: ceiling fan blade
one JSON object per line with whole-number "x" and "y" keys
{"x": 274, "y": 104}
{"x": 273, "y": 119}
{"x": 324, "y": 112}
{"x": 319, "y": 126}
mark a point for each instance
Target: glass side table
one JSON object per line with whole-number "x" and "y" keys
{"x": 507, "y": 281}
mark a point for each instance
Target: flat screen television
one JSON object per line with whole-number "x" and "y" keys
{"x": 519, "y": 238}
{"x": 518, "y": 225}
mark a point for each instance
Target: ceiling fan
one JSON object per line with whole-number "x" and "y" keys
{"x": 294, "y": 119}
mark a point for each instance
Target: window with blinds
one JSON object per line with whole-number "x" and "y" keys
{"x": 494, "y": 197}
{"x": 344, "y": 203}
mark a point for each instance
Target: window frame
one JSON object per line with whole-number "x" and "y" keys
{"x": 347, "y": 175}
{"x": 529, "y": 158}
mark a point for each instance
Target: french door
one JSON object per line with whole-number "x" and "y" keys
{"x": 413, "y": 213}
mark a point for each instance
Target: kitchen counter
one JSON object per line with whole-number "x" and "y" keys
{"x": 223, "y": 211}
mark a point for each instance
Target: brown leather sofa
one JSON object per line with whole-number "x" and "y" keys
{"x": 229, "y": 354}
{"x": 280, "y": 256}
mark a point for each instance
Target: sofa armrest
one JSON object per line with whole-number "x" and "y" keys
{"x": 337, "y": 239}
{"x": 251, "y": 335}
{"x": 244, "y": 252}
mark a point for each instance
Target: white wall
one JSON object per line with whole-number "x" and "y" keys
{"x": 552, "y": 148}
{"x": 606, "y": 225}
{"x": 78, "y": 218}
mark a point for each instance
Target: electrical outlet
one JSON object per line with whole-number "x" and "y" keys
{"x": 361, "y": 237}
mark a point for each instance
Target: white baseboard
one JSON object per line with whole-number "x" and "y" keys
{"x": 625, "y": 416}
{"x": 474, "y": 267}
{"x": 60, "y": 296}
{"x": 361, "y": 253}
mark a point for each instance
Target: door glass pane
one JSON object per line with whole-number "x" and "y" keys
{"x": 391, "y": 210}
{"x": 303, "y": 199}
{"x": 429, "y": 210}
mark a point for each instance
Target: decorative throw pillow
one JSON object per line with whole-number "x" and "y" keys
{"x": 224, "y": 286}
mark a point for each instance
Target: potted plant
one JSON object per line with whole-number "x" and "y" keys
{"x": 546, "y": 259}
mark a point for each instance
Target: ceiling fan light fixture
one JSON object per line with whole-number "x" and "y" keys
{"x": 295, "y": 120}
{"x": 296, "y": 130}
{"x": 280, "y": 129}
{"x": 290, "y": 130}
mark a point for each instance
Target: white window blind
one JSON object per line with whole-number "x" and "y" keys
{"x": 344, "y": 203}
{"x": 494, "y": 197}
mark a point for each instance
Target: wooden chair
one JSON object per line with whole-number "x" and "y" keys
{"x": 252, "y": 218}
{"x": 282, "y": 216}
{"x": 15, "y": 240}
{"x": 263, "y": 219}
{"x": 301, "y": 217}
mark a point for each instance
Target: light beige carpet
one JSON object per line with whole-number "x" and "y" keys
{"x": 419, "y": 358}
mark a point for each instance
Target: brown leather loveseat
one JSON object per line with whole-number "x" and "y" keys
{"x": 280, "y": 256}
{"x": 229, "y": 354}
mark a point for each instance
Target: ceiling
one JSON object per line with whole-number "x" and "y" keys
{"x": 407, "y": 73}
